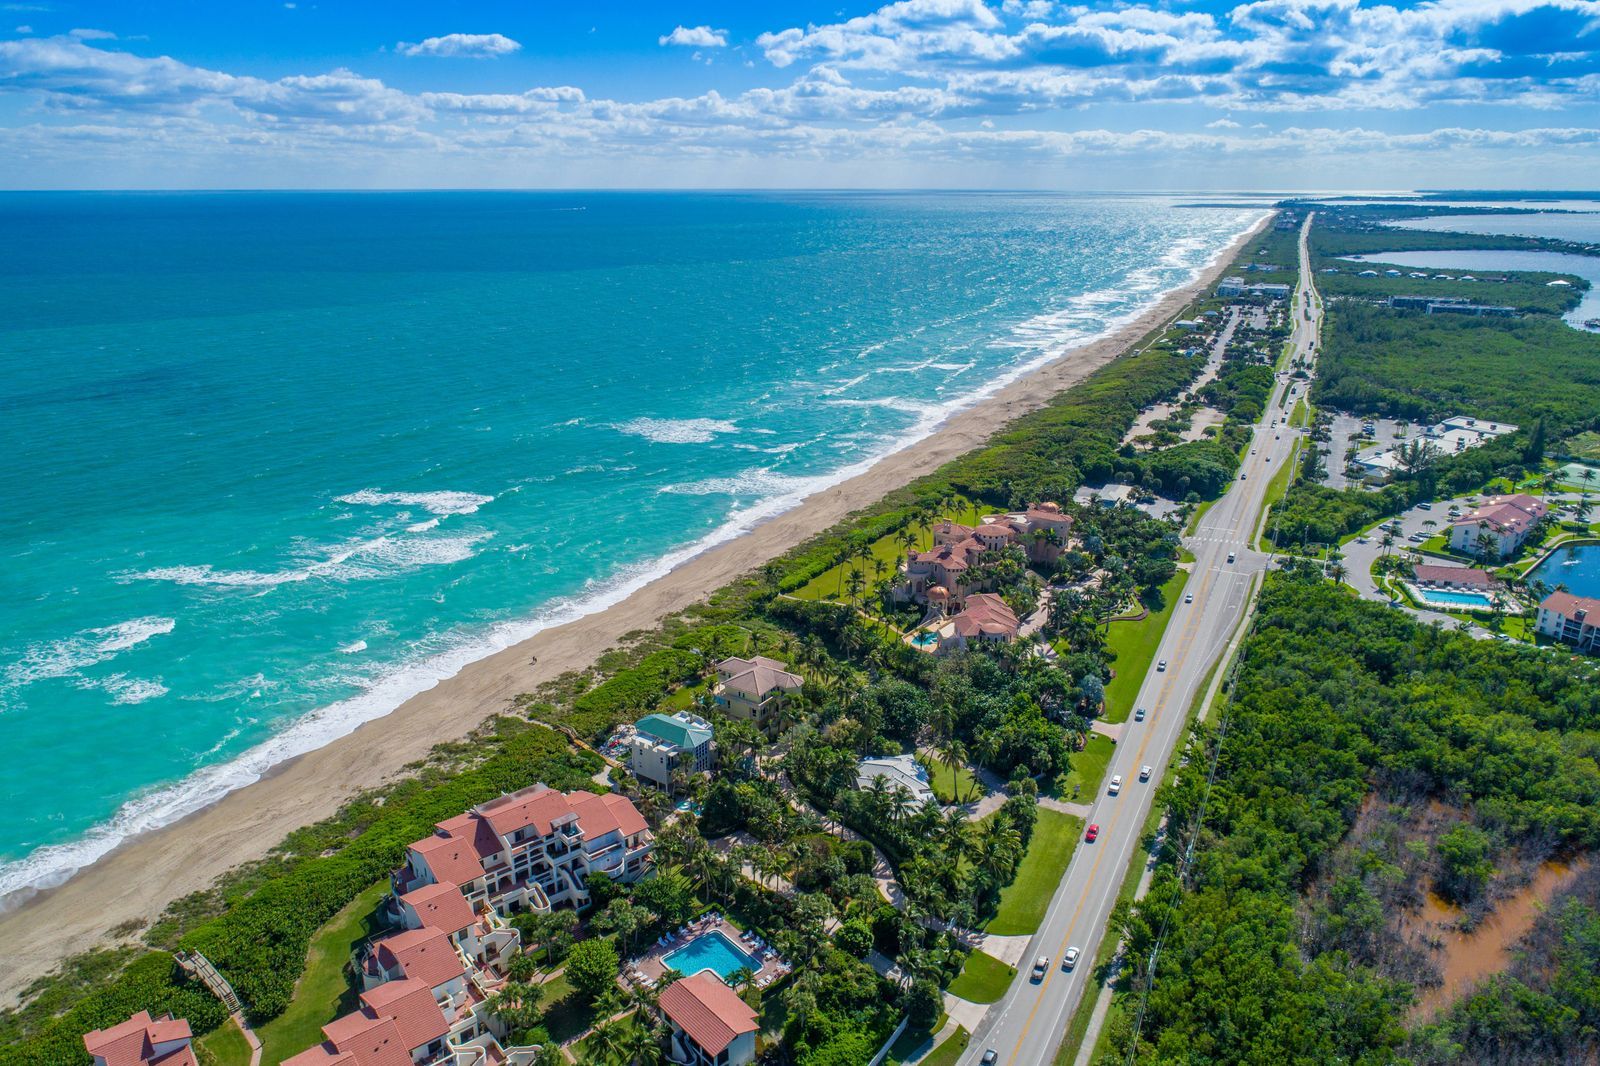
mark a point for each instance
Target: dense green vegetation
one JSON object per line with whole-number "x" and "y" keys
{"x": 1279, "y": 940}
{"x": 1406, "y": 364}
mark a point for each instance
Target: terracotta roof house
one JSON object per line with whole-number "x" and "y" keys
{"x": 711, "y": 1026}
{"x": 984, "y": 619}
{"x": 755, "y": 690}
{"x": 1571, "y": 619}
{"x": 1453, "y": 577}
{"x": 1042, "y": 532}
{"x": 142, "y": 1041}
{"x": 533, "y": 849}
{"x": 1505, "y": 522}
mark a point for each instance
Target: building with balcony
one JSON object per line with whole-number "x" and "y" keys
{"x": 1498, "y": 527}
{"x": 531, "y": 850}
{"x": 1571, "y": 619}
{"x": 711, "y": 1025}
{"x": 755, "y": 690}
{"x": 142, "y": 1041}
{"x": 662, "y": 745}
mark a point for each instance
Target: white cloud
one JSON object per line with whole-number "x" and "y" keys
{"x": 1222, "y": 124}
{"x": 695, "y": 37}
{"x": 93, "y": 35}
{"x": 24, "y": 29}
{"x": 462, "y": 46}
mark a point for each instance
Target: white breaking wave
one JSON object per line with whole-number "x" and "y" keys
{"x": 440, "y": 503}
{"x": 52, "y": 865}
{"x": 353, "y": 647}
{"x": 677, "y": 430}
{"x": 756, "y": 482}
{"x": 127, "y": 690}
{"x": 68, "y": 657}
{"x": 356, "y": 561}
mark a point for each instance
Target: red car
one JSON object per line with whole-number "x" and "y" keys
{"x": 1092, "y": 832}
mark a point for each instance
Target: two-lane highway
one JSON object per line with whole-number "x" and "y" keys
{"x": 1027, "y": 1024}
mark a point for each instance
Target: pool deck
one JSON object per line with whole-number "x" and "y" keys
{"x": 1428, "y": 596}
{"x": 649, "y": 968}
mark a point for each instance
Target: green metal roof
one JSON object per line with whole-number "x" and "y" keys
{"x": 664, "y": 727}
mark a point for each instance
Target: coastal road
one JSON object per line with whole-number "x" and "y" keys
{"x": 1026, "y": 1025}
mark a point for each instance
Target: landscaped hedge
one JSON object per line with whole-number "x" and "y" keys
{"x": 631, "y": 692}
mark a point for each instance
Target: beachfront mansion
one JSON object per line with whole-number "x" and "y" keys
{"x": 941, "y": 576}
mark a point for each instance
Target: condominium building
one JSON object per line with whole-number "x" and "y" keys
{"x": 531, "y": 850}
{"x": 1502, "y": 522}
{"x": 1571, "y": 619}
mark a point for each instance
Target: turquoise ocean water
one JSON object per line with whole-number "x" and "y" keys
{"x": 275, "y": 462}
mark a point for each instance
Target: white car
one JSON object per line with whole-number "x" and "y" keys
{"x": 1188, "y": 597}
{"x": 1161, "y": 667}
{"x": 1070, "y": 959}
{"x": 1138, "y": 715}
{"x": 1116, "y": 784}
{"x": 1040, "y": 965}
{"x": 1144, "y": 773}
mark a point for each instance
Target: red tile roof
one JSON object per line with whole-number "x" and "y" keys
{"x": 361, "y": 1041}
{"x": 452, "y": 859}
{"x": 441, "y": 906}
{"x": 424, "y": 955}
{"x": 987, "y": 614}
{"x": 540, "y": 810}
{"x": 707, "y": 1011}
{"x": 1458, "y": 575}
{"x": 132, "y": 1043}
{"x": 457, "y": 852}
{"x": 412, "y": 1008}
{"x": 1568, "y": 605}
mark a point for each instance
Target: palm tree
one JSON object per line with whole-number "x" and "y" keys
{"x": 606, "y": 1042}
{"x": 955, "y": 756}
{"x": 856, "y": 584}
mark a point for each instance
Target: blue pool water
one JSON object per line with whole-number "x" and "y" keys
{"x": 276, "y": 462}
{"x": 711, "y": 951}
{"x": 1445, "y": 598}
{"x": 926, "y": 638}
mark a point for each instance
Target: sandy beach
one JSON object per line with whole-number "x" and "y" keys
{"x": 136, "y": 881}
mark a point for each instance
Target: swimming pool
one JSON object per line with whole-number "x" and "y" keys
{"x": 711, "y": 951}
{"x": 926, "y": 638}
{"x": 1475, "y": 601}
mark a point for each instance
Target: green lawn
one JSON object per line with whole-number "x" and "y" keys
{"x": 323, "y": 992}
{"x": 1088, "y": 769}
{"x": 1277, "y": 488}
{"x": 1133, "y": 645}
{"x": 565, "y": 1013}
{"x": 949, "y": 1052}
{"x": 913, "y": 1042}
{"x": 826, "y": 585}
{"x": 1024, "y": 901}
{"x": 983, "y": 979}
{"x": 958, "y": 786}
{"x": 227, "y": 1045}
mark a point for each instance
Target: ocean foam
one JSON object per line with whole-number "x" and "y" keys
{"x": 68, "y": 657}
{"x": 353, "y": 561}
{"x": 440, "y": 503}
{"x": 677, "y": 430}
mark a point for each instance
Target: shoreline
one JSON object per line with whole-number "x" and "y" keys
{"x": 137, "y": 879}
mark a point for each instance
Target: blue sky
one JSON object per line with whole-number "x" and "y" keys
{"x": 1270, "y": 95}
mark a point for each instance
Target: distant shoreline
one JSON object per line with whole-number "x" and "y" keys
{"x": 137, "y": 879}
